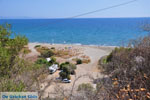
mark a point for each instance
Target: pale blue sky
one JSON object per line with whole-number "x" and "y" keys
{"x": 68, "y": 8}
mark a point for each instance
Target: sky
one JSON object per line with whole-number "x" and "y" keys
{"x": 69, "y": 8}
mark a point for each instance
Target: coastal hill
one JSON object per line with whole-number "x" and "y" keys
{"x": 84, "y": 72}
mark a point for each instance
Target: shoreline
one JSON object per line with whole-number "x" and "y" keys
{"x": 74, "y": 44}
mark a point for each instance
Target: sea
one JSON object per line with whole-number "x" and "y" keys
{"x": 84, "y": 31}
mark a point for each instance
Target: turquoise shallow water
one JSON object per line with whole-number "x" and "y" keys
{"x": 98, "y": 31}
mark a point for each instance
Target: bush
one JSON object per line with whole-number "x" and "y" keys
{"x": 48, "y": 53}
{"x": 69, "y": 65}
{"x": 41, "y": 61}
{"x": 66, "y": 69}
{"x": 129, "y": 71}
{"x": 69, "y": 77}
{"x": 67, "y": 62}
{"x": 79, "y": 61}
{"x": 108, "y": 58}
{"x": 53, "y": 48}
{"x": 63, "y": 75}
{"x": 61, "y": 66}
{"x": 72, "y": 66}
{"x": 53, "y": 60}
{"x": 37, "y": 46}
{"x": 64, "y": 64}
{"x": 73, "y": 72}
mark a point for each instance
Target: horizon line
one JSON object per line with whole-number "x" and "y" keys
{"x": 74, "y": 18}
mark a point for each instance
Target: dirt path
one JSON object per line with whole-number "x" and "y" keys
{"x": 33, "y": 50}
{"x": 33, "y": 55}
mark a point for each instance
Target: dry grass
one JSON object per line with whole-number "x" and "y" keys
{"x": 41, "y": 49}
{"x": 66, "y": 53}
{"x": 63, "y": 52}
{"x": 25, "y": 50}
{"x": 85, "y": 59}
{"x": 129, "y": 72}
{"x": 42, "y": 76}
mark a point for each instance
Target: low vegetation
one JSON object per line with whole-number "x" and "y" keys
{"x": 82, "y": 60}
{"x": 52, "y": 51}
{"x": 85, "y": 87}
{"x": 79, "y": 61}
{"x": 16, "y": 74}
{"x": 47, "y": 53}
{"x": 25, "y": 50}
{"x": 41, "y": 61}
{"x": 129, "y": 71}
{"x": 67, "y": 69}
{"x": 10, "y": 85}
{"x": 9, "y": 49}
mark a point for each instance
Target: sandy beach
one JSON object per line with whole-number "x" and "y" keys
{"x": 87, "y": 71}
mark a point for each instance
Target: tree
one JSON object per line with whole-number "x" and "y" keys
{"x": 63, "y": 75}
{"x": 66, "y": 69}
{"x": 9, "y": 49}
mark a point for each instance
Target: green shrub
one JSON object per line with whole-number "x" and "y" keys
{"x": 63, "y": 75}
{"x": 41, "y": 61}
{"x": 64, "y": 64}
{"x": 109, "y": 57}
{"x": 53, "y": 48}
{"x": 53, "y": 60}
{"x": 48, "y": 53}
{"x": 66, "y": 69}
{"x": 67, "y": 62}
{"x": 79, "y": 61}
{"x": 104, "y": 61}
{"x": 68, "y": 77}
{"x": 61, "y": 66}
{"x": 117, "y": 50}
{"x": 37, "y": 46}
{"x": 72, "y": 66}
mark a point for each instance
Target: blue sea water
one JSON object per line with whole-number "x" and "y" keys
{"x": 92, "y": 31}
